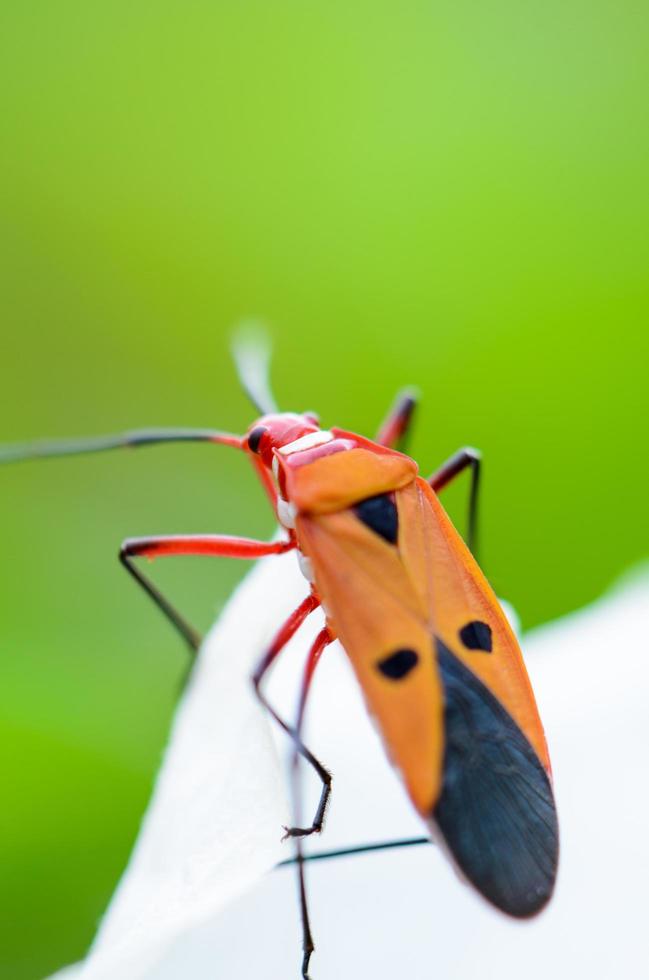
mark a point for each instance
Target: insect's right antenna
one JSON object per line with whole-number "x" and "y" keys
{"x": 122, "y": 440}
{"x": 251, "y": 352}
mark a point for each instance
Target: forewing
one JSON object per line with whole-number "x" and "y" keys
{"x": 381, "y": 624}
{"x": 495, "y": 809}
{"x": 443, "y": 676}
{"x": 463, "y": 610}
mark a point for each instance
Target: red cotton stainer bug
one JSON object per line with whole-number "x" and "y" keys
{"x": 438, "y": 664}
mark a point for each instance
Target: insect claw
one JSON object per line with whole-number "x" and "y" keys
{"x": 299, "y": 832}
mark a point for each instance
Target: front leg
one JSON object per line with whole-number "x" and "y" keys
{"x": 213, "y": 545}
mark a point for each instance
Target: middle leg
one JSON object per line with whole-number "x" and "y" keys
{"x": 395, "y": 427}
{"x": 289, "y": 628}
{"x": 456, "y": 464}
{"x": 321, "y": 642}
{"x": 295, "y": 732}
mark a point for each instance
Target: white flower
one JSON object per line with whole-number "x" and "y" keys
{"x": 199, "y": 899}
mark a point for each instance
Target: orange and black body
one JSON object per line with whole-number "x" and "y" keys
{"x": 437, "y": 662}
{"x": 436, "y": 659}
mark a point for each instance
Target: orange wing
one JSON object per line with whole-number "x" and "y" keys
{"x": 442, "y": 674}
{"x": 463, "y": 609}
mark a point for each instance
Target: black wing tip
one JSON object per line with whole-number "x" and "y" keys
{"x": 530, "y": 905}
{"x": 496, "y": 810}
{"x": 522, "y": 900}
{"x": 519, "y": 897}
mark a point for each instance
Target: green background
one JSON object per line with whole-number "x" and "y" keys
{"x": 449, "y": 194}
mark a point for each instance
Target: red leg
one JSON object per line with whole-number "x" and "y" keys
{"x": 266, "y": 480}
{"x": 447, "y": 472}
{"x": 220, "y": 545}
{"x": 280, "y": 641}
{"x": 282, "y": 637}
{"x": 395, "y": 427}
{"x": 289, "y": 628}
{"x": 190, "y": 544}
{"x": 322, "y": 640}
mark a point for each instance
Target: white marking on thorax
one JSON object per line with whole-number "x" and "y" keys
{"x": 286, "y": 512}
{"x": 308, "y": 441}
{"x": 306, "y": 566}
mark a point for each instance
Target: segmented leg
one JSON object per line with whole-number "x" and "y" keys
{"x": 300, "y": 858}
{"x": 322, "y": 640}
{"x": 456, "y": 464}
{"x": 394, "y": 429}
{"x": 320, "y": 643}
{"x": 213, "y": 545}
{"x": 267, "y": 481}
{"x": 289, "y": 628}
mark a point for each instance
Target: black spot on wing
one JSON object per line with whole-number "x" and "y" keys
{"x": 496, "y": 809}
{"x": 476, "y": 635}
{"x": 398, "y": 664}
{"x": 380, "y": 514}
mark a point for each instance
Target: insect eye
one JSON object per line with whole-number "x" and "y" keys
{"x": 255, "y": 438}
{"x": 380, "y": 514}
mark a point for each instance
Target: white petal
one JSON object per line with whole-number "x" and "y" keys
{"x": 214, "y": 823}
{"x": 403, "y": 913}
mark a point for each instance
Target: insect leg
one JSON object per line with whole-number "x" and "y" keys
{"x": 281, "y": 639}
{"x": 395, "y": 426}
{"x": 456, "y": 464}
{"x": 121, "y": 440}
{"x": 322, "y": 640}
{"x": 308, "y": 945}
{"x": 267, "y": 481}
{"x": 283, "y": 636}
{"x": 220, "y": 545}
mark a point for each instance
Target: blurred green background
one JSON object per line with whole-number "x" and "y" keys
{"x": 452, "y": 195}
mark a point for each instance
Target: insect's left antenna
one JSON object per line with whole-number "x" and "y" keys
{"x": 251, "y": 352}
{"x": 123, "y": 440}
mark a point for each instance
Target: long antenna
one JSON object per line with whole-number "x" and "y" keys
{"x": 251, "y": 352}
{"x": 138, "y": 437}
{"x": 360, "y": 849}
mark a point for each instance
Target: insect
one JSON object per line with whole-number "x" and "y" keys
{"x": 436, "y": 659}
